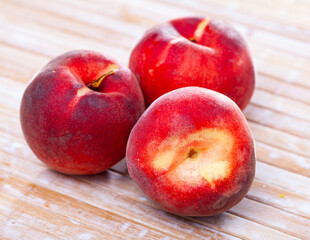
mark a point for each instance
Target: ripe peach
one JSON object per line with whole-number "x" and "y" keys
{"x": 192, "y": 152}
{"x": 77, "y": 113}
{"x": 194, "y": 51}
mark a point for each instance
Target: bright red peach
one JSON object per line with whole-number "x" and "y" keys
{"x": 194, "y": 51}
{"x": 192, "y": 152}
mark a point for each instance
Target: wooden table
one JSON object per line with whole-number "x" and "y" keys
{"x": 37, "y": 203}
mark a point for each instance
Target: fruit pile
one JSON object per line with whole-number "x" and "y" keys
{"x": 191, "y": 151}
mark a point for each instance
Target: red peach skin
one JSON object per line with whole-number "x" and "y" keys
{"x": 72, "y": 128}
{"x": 194, "y": 51}
{"x": 192, "y": 152}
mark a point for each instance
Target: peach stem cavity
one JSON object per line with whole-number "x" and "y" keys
{"x": 94, "y": 85}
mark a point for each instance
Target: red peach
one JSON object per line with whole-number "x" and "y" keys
{"x": 194, "y": 51}
{"x": 77, "y": 113}
{"x": 192, "y": 152}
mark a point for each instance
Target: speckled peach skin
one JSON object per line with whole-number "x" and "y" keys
{"x": 72, "y": 128}
{"x": 194, "y": 51}
{"x": 192, "y": 152}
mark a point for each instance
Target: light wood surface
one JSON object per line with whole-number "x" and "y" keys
{"x": 37, "y": 203}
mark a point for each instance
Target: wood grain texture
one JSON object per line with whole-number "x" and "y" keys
{"x": 37, "y": 203}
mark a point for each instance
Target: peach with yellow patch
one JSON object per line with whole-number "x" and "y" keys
{"x": 192, "y": 152}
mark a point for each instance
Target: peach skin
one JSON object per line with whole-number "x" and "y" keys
{"x": 192, "y": 152}
{"x": 194, "y": 51}
{"x": 77, "y": 113}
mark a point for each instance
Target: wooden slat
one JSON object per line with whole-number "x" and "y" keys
{"x": 78, "y": 218}
{"x": 136, "y": 31}
{"x": 278, "y": 120}
{"x": 83, "y": 185}
{"x": 283, "y": 159}
{"x": 107, "y": 200}
{"x": 290, "y": 181}
{"x": 20, "y": 65}
{"x": 39, "y": 219}
{"x": 249, "y": 19}
{"x": 288, "y": 90}
{"x": 281, "y": 140}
